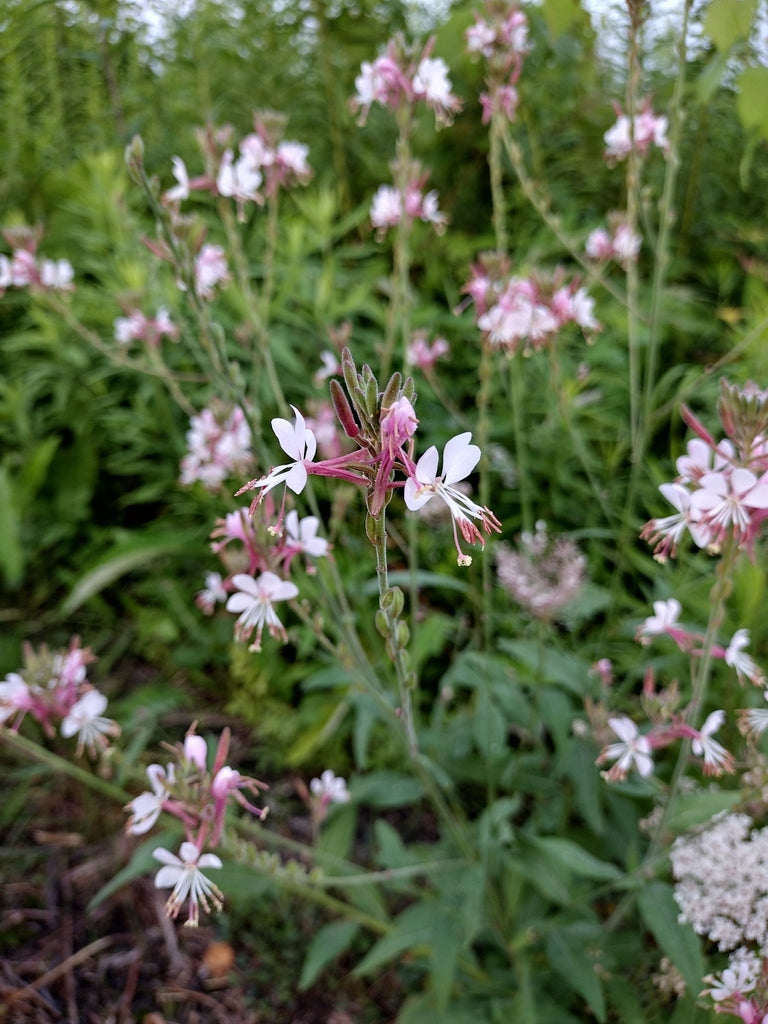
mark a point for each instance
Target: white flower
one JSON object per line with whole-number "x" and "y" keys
{"x": 330, "y": 788}
{"x": 56, "y": 274}
{"x": 253, "y": 598}
{"x": 633, "y": 749}
{"x": 184, "y": 875}
{"x": 181, "y": 189}
{"x": 716, "y": 758}
{"x": 296, "y": 440}
{"x": 736, "y": 658}
{"x": 302, "y": 534}
{"x": 431, "y": 81}
{"x": 85, "y": 719}
{"x": 459, "y": 459}
{"x": 146, "y": 807}
{"x": 386, "y": 207}
{"x": 665, "y": 618}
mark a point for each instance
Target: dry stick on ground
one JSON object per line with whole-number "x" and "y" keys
{"x": 56, "y": 972}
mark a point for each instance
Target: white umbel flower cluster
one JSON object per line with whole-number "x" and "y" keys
{"x": 722, "y": 882}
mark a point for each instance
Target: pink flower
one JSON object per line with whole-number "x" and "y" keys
{"x": 185, "y": 876}
{"x": 730, "y": 501}
{"x": 253, "y": 598}
{"x": 219, "y": 446}
{"x": 459, "y": 459}
{"x": 210, "y": 270}
{"x": 640, "y": 133}
{"x": 420, "y": 353}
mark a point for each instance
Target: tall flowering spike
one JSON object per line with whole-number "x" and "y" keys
{"x": 459, "y": 459}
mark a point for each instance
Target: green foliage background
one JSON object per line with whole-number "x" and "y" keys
{"x": 97, "y": 537}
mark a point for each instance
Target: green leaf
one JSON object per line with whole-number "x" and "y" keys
{"x": 566, "y": 949}
{"x": 573, "y": 859}
{"x": 489, "y": 727}
{"x": 123, "y": 558}
{"x": 338, "y": 831}
{"x": 727, "y": 21}
{"x": 562, "y": 14}
{"x": 412, "y": 930}
{"x": 752, "y": 87}
{"x": 678, "y": 941}
{"x": 329, "y": 943}
{"x": 693, "y": 809}
{"x": 386, "y": 789}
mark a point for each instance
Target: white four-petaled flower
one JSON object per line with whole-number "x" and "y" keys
{"x": 253, "y": 599}
{"x": 184, "y": 875}
{"x": 633, "y": 749}
{"x": 459, "y": 459}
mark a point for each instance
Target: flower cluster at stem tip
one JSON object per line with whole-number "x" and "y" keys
{"x": 53, "y": 689}
{"x": 383, "y": 426}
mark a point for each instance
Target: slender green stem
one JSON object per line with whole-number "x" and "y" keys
{"x": 701, "y": 670}
{"x": 390, "y": 606}
{"x": 61, "y": 766}
{"x": 662, "y": 255}
{"x": 541, "y": 203}
{"x": 517, "y": 396}
{"x": 496, "y": 142}
{"x": 400, "y": 301}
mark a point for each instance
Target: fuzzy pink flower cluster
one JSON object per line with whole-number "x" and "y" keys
{"x": 636, "y": 133}
{"x": 218, "y": 447}
{"x": 525, "y": 313}
{"x": 404, "y": 77}
{"x": 52, "y": 687}
{"x": 501, "y": 38}
{"x": 720, "y": 494}
{"x": 265, "y": 162}
{"x": 198, "y": 797}
{"x": 23, "y": 268}
{"x": 544, "y": 574}
{"x": 137, "y": 326}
